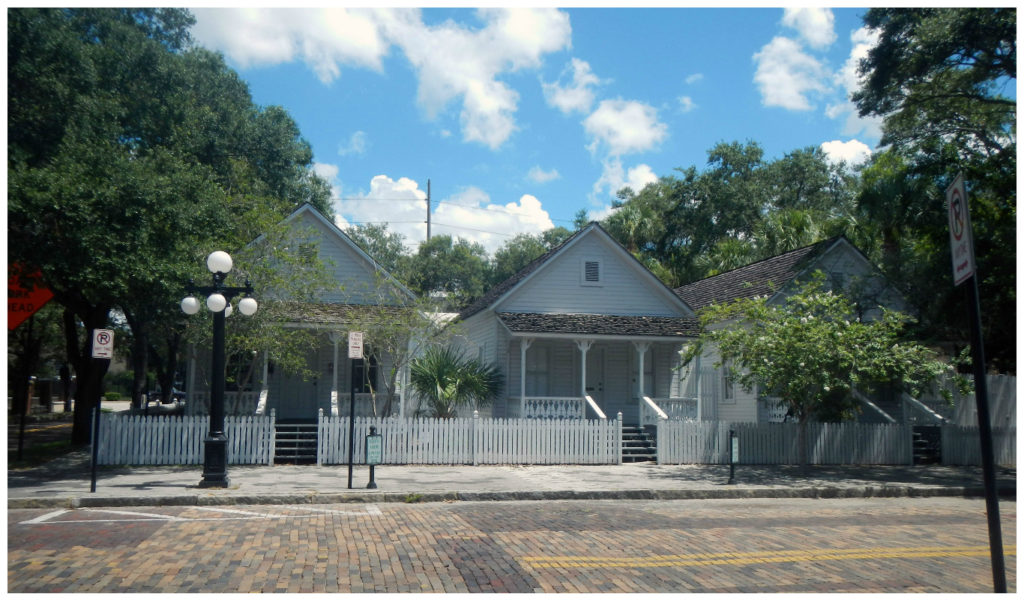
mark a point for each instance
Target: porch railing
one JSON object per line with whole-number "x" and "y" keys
{"x": 552, "y": 407}
{"x": 653, "y": 410}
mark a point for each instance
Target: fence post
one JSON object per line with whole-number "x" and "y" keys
{"x": 618, "y": 438}
{"x": 273, "y": 436}
{"x": 476, "y": 421}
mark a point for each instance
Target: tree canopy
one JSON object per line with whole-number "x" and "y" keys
{"x": 131, "y": 156}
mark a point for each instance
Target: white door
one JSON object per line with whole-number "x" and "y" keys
{"x": 595, "y": 377}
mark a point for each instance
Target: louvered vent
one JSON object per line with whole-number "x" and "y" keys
{"x": 592, "y": 271}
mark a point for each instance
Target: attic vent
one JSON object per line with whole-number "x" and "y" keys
{"x": 591, "y": 272}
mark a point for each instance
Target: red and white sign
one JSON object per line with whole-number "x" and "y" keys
{"x": 102, "y": 343}
{"x": 960, "y": 241}
{"x": 23, "y": 298}
{"x": 355, "y": 344}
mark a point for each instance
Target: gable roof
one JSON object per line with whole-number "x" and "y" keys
{"x": 506, "y": 287}
{"x": 762, "y": 278}
{"x": 311, "y": 210}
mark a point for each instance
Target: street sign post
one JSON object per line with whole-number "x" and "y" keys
{"x": 23, "y": 298}
{"x": 102, "y": 343}
{"x": 355, "y": 352}
{"x": 964, "y": 269}
{"x": 374, "y": 454}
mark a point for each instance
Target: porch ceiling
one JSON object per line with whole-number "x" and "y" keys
{"x": 600, "y": 325}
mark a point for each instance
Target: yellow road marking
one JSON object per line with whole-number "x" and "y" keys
{"x": 37, "y": 429}
{"x": 744, "y": 558}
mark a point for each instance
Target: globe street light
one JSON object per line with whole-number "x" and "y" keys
{"x": 218, "y": 301}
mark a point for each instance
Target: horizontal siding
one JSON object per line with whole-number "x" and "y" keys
{"x": 557, "y": 287}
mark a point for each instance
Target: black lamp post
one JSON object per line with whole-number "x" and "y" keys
{"x": 218, "y": 300}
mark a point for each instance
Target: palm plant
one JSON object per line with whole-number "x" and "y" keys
{"x": 448, "y": 381}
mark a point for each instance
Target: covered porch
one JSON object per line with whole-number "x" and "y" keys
{"x": 596, "y": 367}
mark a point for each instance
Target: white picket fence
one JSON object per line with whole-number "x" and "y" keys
{"x": 704, "y": 442}
{"x": 475, "y": 441}
{"x": 165, "y": 440}
{"x": 962, "y": 445}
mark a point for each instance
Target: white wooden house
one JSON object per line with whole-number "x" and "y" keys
{"x": 584, "y": 331}
{"x": 846, "y": 268}
{"x": 358, "y": 282}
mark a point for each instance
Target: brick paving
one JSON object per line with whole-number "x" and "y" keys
{"x": 785, "y": 545}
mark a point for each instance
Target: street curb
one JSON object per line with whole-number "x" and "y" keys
{"x": 825, "y": 492}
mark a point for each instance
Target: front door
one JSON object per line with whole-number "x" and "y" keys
{"x": 297, "y": 399}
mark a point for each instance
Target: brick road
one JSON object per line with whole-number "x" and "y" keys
{"x": 792, "y": 545}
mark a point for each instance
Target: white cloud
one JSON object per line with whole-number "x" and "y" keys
{"x": 849, "y": 81}
{"x": 539, "y": 175}
{"x": 453, "y": 62}
{"x": 692, "y": 79}
{"x": 853, "y": 152}
{"x": 815, "y": 25}
{"x": 686, "y": 104}
{"x": 356, "y": 144}
{"x": 576, "y": 96}
{"x": 614, "y": 177}
{"x": 624, "y": 127}
{"x": 324, "y": 38}
{"x": 471, "y": 215}
{"x": 786, "y": 76}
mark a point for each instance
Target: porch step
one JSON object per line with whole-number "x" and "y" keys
{"x": 295, "y": 443}
{"x": 638, "y": 445}
{"x": 927, "y": 445}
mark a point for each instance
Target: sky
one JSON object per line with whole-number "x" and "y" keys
{"x": 520, "y": 118}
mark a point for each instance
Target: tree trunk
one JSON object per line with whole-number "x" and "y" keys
{"x": 90, "y": 371}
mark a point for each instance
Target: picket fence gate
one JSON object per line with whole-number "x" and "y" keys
{"x": 707, "y": 442}
{"x": 475, "y": 441}
{"x": 180, "y": 440}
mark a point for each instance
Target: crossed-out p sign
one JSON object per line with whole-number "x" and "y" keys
{"x": 102, "y": 343}
{"x": 960, "y": 243}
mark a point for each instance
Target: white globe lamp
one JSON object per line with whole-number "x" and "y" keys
{"x": 190, "y": 305}
{"x": 219, "y": 262}
{"x": 247, "y": 306}
{"x": 216, "y": 302}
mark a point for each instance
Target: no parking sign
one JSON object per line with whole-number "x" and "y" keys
{"x": 960, "y": 242}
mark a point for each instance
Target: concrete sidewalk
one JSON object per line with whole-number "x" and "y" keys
{"x": 65, "y": 483}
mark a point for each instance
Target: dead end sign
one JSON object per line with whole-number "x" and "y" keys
{"x": 24, "y": 299}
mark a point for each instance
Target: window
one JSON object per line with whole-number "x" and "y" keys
{"x": 591, "y": 272}
{"x": 728, "y": 393}
{"x": 537, "y": 371}
{"x": 365, "y": 374}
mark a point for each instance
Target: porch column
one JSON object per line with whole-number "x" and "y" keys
{"x": 524, "y": 344}
{"x": 583, "y": 345}
{"x": 261, "y": 405}
{"x": 334, "y": 337}
{"x": 641, "y": 350}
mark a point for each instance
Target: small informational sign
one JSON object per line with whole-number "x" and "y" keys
{"x": 960, "y": 241}
{"x": 374, "y": 449}
{"x": 355, "y": 344}
{"x": 102, "y": 343}
{"x": 734, "y": 455}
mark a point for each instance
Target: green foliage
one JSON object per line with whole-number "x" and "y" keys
{"x": 454, "y": 272}
{"x": 811, "y": 351}
{"x": 521, "y": 251}
{"x": 447, "y": 381}
{"x": 385, "y": 247}
{"x": 740, "y": 209}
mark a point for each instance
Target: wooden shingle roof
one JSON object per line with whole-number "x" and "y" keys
{"x": 762, "y": 278}
{"x": 600, "y": 325}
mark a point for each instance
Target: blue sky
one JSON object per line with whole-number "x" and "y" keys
{"x": 520, "y": 118}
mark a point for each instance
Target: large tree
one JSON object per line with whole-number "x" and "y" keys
{"x": 940, "y": 78}
{"x": 812, "y": 350}
{"x": 453, "y": 272}
{"x": 130, "y": 157}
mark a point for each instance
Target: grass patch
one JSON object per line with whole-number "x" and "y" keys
{"x": 37, "y": 454}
